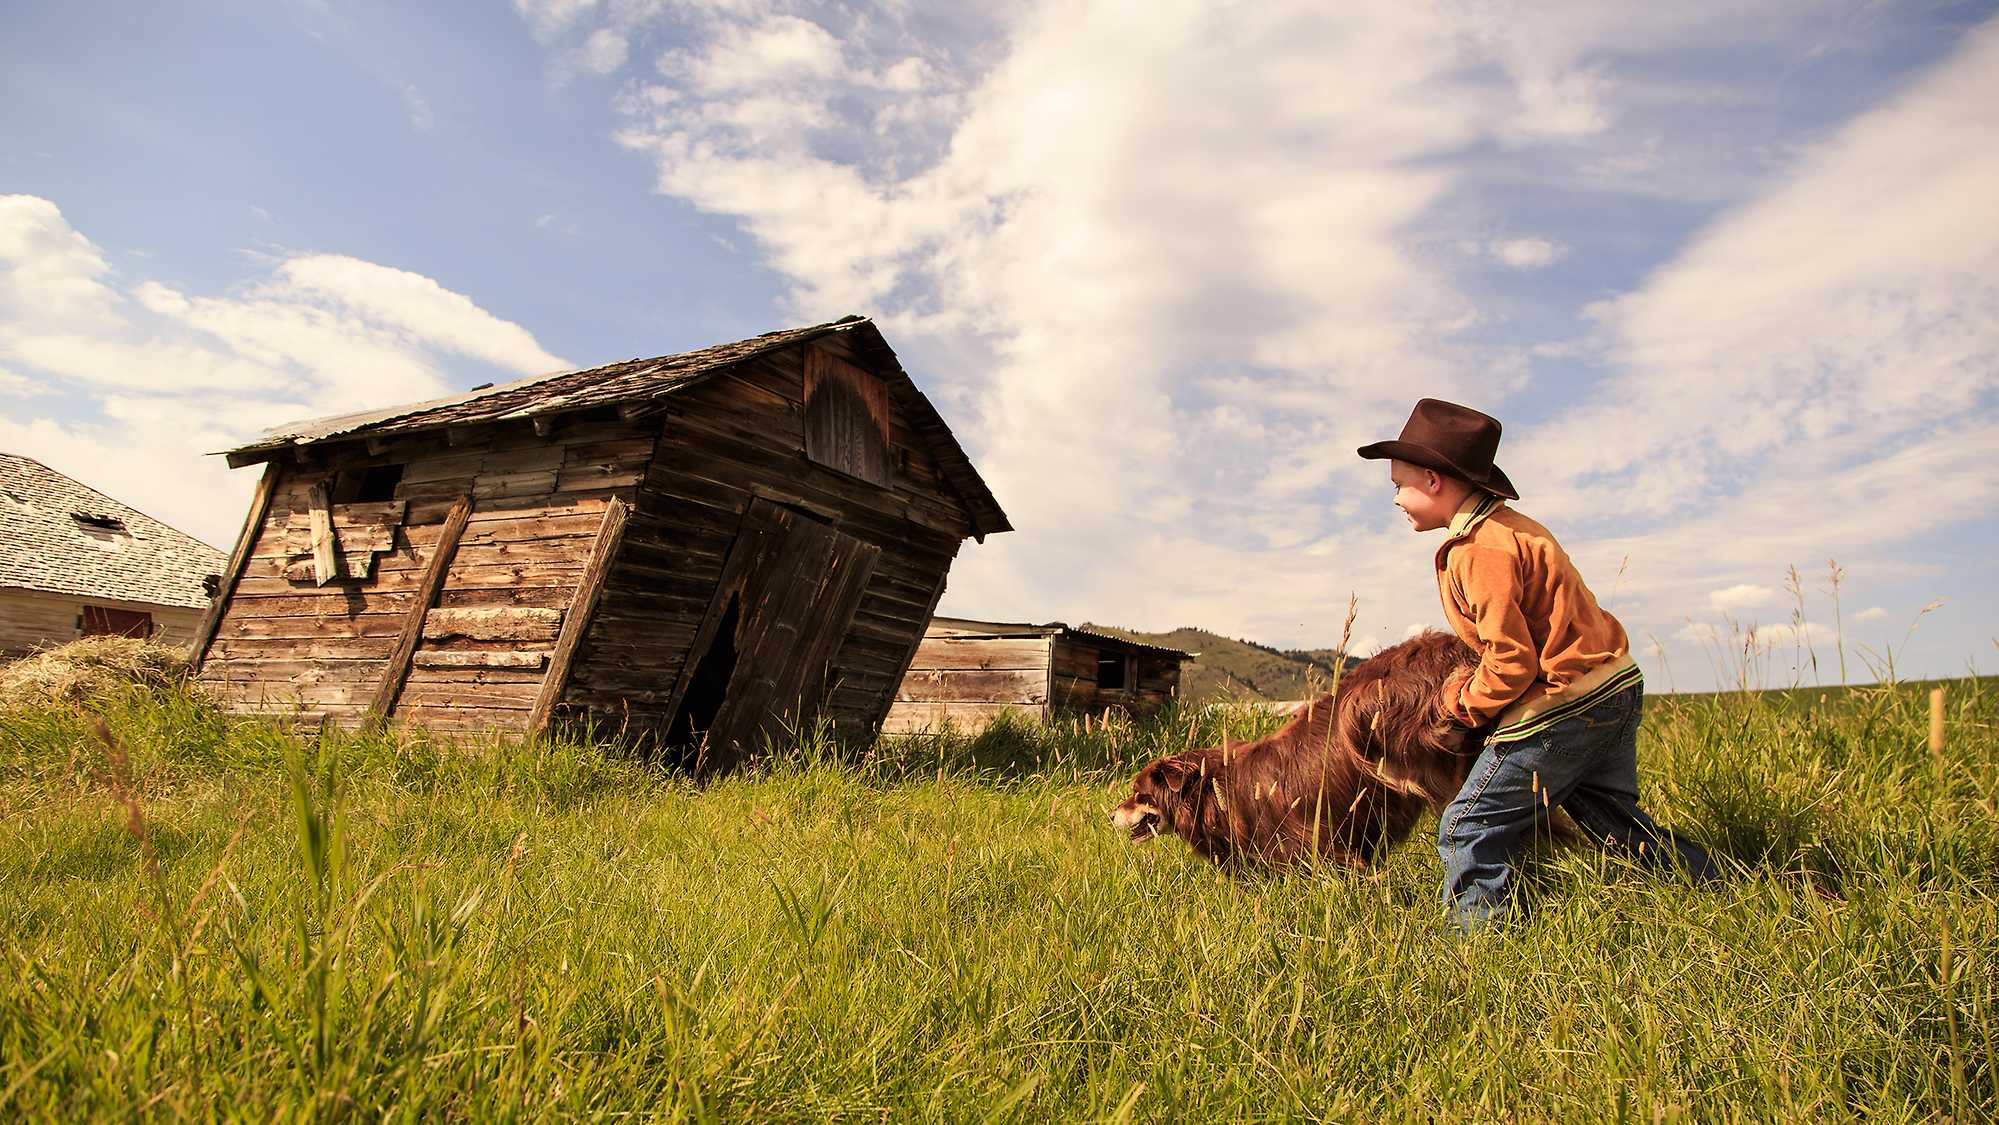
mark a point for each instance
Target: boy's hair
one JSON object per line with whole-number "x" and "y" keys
{"x": 1445, "y": 474}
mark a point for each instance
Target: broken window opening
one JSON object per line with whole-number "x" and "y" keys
{"x": 372, "y": 485}
{"x": 1111, "y": 671}
{"x": 707, "y": 690}
{"x": 103, "y": 621}
{"x": 97, "y": 521}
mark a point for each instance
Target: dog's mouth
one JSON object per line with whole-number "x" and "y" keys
{"x": 1141, "y": 822}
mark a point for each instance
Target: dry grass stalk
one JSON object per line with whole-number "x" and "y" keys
{"x": 87, "y": 669}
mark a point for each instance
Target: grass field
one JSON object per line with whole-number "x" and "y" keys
{"x": 208, "y": 919}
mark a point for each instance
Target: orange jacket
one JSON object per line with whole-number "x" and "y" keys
{"x": 1546, "y": 649}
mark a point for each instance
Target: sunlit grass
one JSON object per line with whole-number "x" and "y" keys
{"x": 207, "y": 918}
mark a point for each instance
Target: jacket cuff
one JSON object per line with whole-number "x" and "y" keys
{"x": 1453, "y": 700}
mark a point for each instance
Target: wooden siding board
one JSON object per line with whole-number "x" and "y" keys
{"x": 1007, "y": 652}
{"x": 246, "y": 539}
{"x": 575, "y": 623}
{"x": 1022, "y": 685}
{"x": 921, "y": 718}
{"x": 507, "y": 623}
{"x": 433, "y": 580}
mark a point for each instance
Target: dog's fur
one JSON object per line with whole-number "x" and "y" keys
{"x": 1346, "y": 779}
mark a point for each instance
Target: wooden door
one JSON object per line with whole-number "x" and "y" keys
{"x": 758, "y": 665}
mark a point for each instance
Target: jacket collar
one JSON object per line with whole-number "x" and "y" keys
{"x": 1471, "y": 513}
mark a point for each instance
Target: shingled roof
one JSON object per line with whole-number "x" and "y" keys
{"x": 68, "y": 538}
{"x": 641, "y": 380}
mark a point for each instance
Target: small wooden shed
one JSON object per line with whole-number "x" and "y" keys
{"x": 77, "y": 563}
{"x": 692, "y": 552}
{"x": 971, "y": 672}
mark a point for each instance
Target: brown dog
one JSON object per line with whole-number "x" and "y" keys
{"x": 1346, "y": 779}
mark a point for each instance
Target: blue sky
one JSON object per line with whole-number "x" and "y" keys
{"x": 1729, "y": 273}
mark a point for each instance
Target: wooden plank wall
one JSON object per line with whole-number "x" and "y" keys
{"x": 970, "y": 681}
{"x": 284, "y": 645}
{"x": 1158, "y": 680}
{"x": 741, "y": 435}
{"x": 32, "y": 619}
{"x": 1151, "y": 681}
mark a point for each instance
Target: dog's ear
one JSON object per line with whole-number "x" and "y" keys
{"x": 1173, "y": 773}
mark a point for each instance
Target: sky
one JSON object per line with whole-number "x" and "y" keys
{"x": 1727, "y": 272}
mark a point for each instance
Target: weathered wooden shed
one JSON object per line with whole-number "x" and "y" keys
{"x": 691, "y": 552}
{"x": 971, "y": 672}
{"x": 77, "y": 563}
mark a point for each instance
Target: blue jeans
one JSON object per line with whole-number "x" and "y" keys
{"x": 1586, "y": 765}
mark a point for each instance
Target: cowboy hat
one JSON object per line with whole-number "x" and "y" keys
{"x": 1450, "y": 439}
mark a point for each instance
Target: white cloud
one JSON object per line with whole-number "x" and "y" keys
{"x": 1871, "y": 613}
{"x": 1807, "y": 366}
{"x": 1785, "y": 634}
{"x": 52, "y": 274}
{"x": 549, "y": 17}
{"x": 910, "y": 76}
{"x": 1525, "y": 253}
{"x": 759, "y": 56}
{"x": 604, "y": 51}
{"x": 1172, "y": 272}
{"x": 417, "y": 108}
{"x": 417, "y": 306}
{"x": 13, "y": 385}
{"x": 1144, "y": 221}
{"x": 176, "y": 376}
{"x": 1735, "y": 599}
{"x": 1855, "y": 297}
{"x": 1415, "y": 629}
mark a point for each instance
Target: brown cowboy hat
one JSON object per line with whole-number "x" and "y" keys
{"x": 1450, "y": 439}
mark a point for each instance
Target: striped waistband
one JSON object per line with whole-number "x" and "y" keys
{"x": 1524, "y": 720}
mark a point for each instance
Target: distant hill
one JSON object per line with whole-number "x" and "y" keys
{"x": 1228, "y": 668}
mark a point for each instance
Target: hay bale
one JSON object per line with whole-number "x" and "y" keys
{"x": 89, "y": 668}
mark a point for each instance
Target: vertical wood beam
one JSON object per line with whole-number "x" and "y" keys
{"x": 433, "y": 581}
{"x": 1048, "y": 692}
{"x": 253, "y": 523}
{"x": 582, "y": 607}
{"x": 325, "y": 566}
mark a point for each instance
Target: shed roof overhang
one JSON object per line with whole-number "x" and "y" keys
{"x": 971, "y": 629}
{"x": 637, "y": 388}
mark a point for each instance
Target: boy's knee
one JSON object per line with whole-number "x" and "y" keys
{"x": 1453, "y": 832}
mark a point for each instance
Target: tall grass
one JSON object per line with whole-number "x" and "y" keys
{"x": 216, "y": 919}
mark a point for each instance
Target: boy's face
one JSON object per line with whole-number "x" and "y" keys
{"x": 1425, "y": 496}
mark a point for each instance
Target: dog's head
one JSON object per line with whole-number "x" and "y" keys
{"x": 1159, "y": 798}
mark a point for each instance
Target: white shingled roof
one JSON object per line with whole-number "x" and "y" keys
{"x": 64, "y": 537}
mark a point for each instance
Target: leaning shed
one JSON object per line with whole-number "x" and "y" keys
{"x": 690, "y": 552}
{"x": 971, "y": 672}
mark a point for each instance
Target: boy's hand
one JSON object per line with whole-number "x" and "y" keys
{"x": 1449, "y": 695}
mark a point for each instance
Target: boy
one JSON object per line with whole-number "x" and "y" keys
{"x": 1555, "y": 691}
